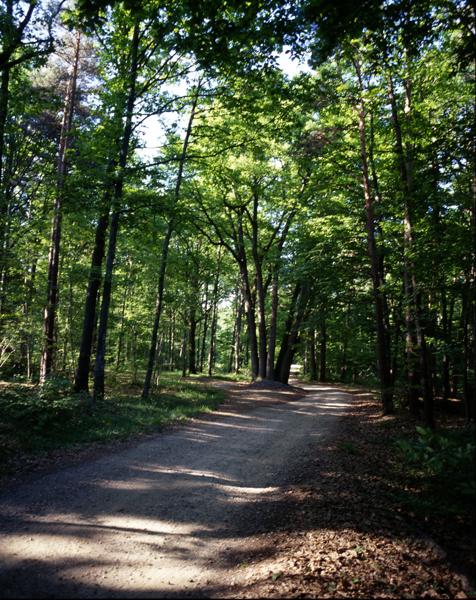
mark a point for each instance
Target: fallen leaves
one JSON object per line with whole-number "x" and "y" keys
{"x": 343, "y": 536}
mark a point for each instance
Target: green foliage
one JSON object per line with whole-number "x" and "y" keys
{"x": 41, "y": 419}
{"x": 291, "y": 143}
{"x": 40, "y": 412}
{"x": 445, "y": 459}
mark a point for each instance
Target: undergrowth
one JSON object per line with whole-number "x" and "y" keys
{"x": 35, "y": 419}
{"x": 442, "y": 465}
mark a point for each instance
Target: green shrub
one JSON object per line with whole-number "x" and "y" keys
{"x": 54, "y": 388}
{"x": 51, "y": 408}
{"x": 447, "y": 457}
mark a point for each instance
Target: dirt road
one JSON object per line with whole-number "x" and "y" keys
{"x": 170, "y": 517}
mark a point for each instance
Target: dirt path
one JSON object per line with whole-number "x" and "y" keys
{"x": 167, "y": 518}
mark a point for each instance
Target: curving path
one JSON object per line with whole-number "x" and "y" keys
{"x": 167, "y": 518}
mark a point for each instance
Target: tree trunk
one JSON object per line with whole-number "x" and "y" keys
{"x": 81, "y": 383}
{"x": 288, "y": 350}
{"x": 120, "y": 342}
{"x": 192, "y": 339}
{"x": 383, "y": 349}
{"x": 206, "y": 312}
{"x": 260, "y": 291}
{"x": 49, "y": 319}
{"x": 323, "y": 350}
{"x": 99, "y": 365}
{"x": 237, "y": 306}
{"x": 183, "y": 353}
{"x": 248, "y": 299}
{"x": 285, "y": 342}
{"x": 412, "y": 296}
{"x": 4, "y": 99}
{"x": 239, "y": 321}
{"x": 165, "y": 250}
{"x": 273, "y": 324}
{"x": 312, "y": 356}
{"x": 4, "y": 91}
{"x": 213, "y": 324}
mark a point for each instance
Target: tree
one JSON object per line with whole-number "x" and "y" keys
{"x": 54, "y": 255}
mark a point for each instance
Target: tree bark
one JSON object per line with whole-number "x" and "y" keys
{"x": 236, "y": 313}
{"x": 206, "y": 312}
{"x": 127, "y": 291}
{"x": 412, "y": 296}
{"x": 288, "y": 349}
{"x": 4, "y": 99}
{"x": 99, "y": 366}
{"x": 285, "y": 342}
{"x": 81, "y": 383}
{"x": 239, "y": 321}
{"x": 248, "y": 299}
{"x": 4, "y": 85}
{"x": 192, "y": 340}
{"x": 49, "y": 319}
{"x": 313, "y": 374}
{"x": 323, "y": 350}
{"x": 383, "y": 349}
{"x": 260, "y": 292}
{"x": 165, "y": 249}
{"x": 213, "y": 324}
{"x": 273, "y": 324}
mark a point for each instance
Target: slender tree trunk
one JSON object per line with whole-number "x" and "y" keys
{"x": 472, "y": 399}
{"x": 239, "y": 321}
{"x": 413, "y": 316}
{"x": 100, "y": 363}
{"x": 251, "y": 323}
{"x": 4, "y": 93}
{"x": 313, "y": 374}
{"x": 248, "y": 299}
{"x": 71, "y": 327}
{"x": 236, "y": 311}
{"x": 49, "y": 319}
{"x": 171, "y": 342}
{"x": 397, "y": 317}
{"x": 157, "y": 366}
{"x": 383, "y": 349}
{"x": 120, "y": 342}
{"x": 165, "y": 249}
{"x": 446, "y": 340}
{"x": 192, "y": 340}
{"x": 206, "y": 312}
{"x": 81, "y": 382}
{"x": 158, "y": 308}
{"x": 323, "y": 350}
{"x": 99, "y": 366}
{"x": 285, "y": 342}
{"x": 183, "y": 353}
{"x": 213, "y": 324}
{"x": 273, "y": 324}
{"x": 288, "y": 350}
{"x": 260, "y": 291}
{"x": 27, "y": 337}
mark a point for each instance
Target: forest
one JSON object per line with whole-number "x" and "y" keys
{"x": 265, "y": 211}
{"x": 172, "y": 200}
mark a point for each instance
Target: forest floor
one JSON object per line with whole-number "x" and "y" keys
{"x": 279, "y": 493}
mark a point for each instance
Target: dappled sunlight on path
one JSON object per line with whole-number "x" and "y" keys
{"x": 164, "y": 517}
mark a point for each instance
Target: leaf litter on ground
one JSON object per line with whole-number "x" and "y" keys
{"x": 344, "y": 533}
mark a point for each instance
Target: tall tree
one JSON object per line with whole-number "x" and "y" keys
{"x": 54, "y": 255}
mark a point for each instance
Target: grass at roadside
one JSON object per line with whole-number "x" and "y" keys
{"x": 35, "y": 420}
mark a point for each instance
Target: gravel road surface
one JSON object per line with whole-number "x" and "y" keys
{"x": 169, "y": 517}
